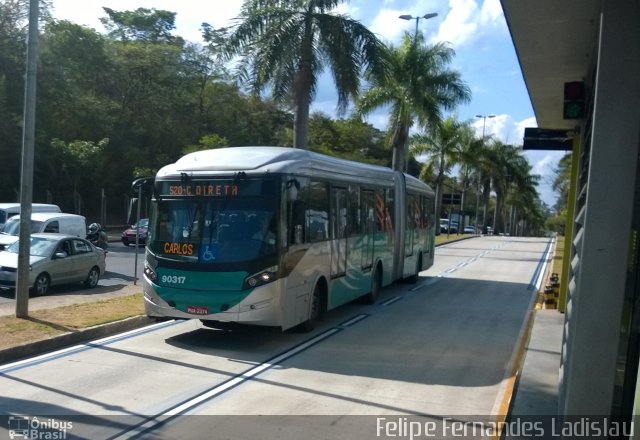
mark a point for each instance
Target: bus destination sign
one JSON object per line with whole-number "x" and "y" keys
{"x": 213, "y": 189}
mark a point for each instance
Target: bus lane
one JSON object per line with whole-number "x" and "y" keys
{"x": 438, "y": 349}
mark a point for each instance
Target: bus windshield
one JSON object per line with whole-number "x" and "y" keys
{"x": 213, "y": 230}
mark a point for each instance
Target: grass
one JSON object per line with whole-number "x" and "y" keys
{"x": 43, "y": 324}
{"x": 443, "y": 238}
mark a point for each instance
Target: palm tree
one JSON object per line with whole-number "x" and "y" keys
{"x": 441, "y": 144}
{"x": 469, "y": 151}
{"x": 508, "y": 170}
{"x": 483, "y": 170}
{"x": 286, "y": 44}
{"x": 417, "y": 86}
{"x": 526, "y": 207}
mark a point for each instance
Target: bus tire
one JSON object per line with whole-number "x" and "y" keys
{"x": 376, "y": 285}
{"x": 315, "y": 311}
{"x": 412, "y": 279}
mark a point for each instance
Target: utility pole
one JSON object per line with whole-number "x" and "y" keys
{"x": 484, "y": 124}
{"x": 26, "y": 185}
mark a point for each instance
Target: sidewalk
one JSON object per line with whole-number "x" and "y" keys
{"x": 536, "y": 392}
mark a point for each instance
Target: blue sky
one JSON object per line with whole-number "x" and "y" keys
{"x": 475, "y": 29}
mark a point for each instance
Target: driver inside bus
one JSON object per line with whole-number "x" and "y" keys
{"x": 263, "y": 230}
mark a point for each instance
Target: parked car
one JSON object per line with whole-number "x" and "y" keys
{"x": 448, "y": 227}
{"x": 444, "y": 225}
{"x": 469, "y": 229}
{"x": 54, "y": 259}
{"x": 129, "y": 235}
{"x": 59, "y": 222}
{"x": 8, "y": 210}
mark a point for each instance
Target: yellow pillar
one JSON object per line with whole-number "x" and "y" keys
{"x": 568, "y": 233}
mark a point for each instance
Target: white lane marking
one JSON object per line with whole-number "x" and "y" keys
{"x": 47, "y": 357}
{"x": 232, "y": 383}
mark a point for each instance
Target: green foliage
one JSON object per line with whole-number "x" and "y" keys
{"x": 143, "y": 24}
{"x": 347, "y": 138}
{"x": 562, "y": 182}
{"x": 441, "y": 145}
{"x": 115, "y": 107}
{"x": 418, "y": 85}
{"x": 143, "y": 172}
{"x": 80, "y": 153}
{"x": 557, "y": 223}
{"x": 208, "y": 142}
{"x": 285, "y": 45}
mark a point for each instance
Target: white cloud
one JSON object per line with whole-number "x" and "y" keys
{"x": 461, "y": 23}
{"x": 491, "y": 13}
{"x": 390, "y": 28}
{"x": 467, "y": 21}
{"x": 387, "y": 27}
{"x": 543, "y": 163}
{"x": 503, "y": 128}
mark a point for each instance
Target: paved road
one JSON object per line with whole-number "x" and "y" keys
{"x": 440, "y": 350}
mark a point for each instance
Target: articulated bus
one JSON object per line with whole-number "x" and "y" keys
{"x": 278, "y": 236}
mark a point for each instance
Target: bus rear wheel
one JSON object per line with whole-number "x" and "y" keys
{"x": 376, "y": 285}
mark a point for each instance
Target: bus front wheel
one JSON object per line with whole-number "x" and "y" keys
{"x": 315, "y": 311}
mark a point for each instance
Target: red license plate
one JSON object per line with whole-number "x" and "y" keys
{"x": 198, "y": 310}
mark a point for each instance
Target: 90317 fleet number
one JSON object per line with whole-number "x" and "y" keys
{"x": 173, "y": 279}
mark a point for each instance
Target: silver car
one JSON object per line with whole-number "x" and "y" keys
{"x": 54, "y": 259}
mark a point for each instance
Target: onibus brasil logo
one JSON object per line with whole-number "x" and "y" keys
{"x": 41, "y": 429}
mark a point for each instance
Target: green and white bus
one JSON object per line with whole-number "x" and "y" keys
{"x": 278, "y": 236}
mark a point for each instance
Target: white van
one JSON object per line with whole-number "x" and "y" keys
{"x": 72, "y": 224}
{"x": 8, "y": 210}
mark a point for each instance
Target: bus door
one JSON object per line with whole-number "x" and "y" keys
{"x": 338, "y": 232}
{"x": 410, "y": 226}
{"x": 368, "y": 225}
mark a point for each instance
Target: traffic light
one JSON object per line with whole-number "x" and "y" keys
{"x": 574, "y": 101}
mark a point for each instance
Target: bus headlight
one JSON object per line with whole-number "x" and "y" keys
{"x": 263, "y": 277}
{"x": 150, "y": 274}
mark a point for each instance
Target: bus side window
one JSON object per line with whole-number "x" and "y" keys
{"x": 297, "y": 222}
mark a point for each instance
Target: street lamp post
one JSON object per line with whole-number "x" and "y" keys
{"x": 401, "y": 157}
{"x": 417, "y": 19}
{"x": 484, "y": 124}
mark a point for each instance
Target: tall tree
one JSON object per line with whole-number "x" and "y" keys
{"x": 287, "y": 44}
{"x": 509, "y": 171}
{"x": 347, "y": 138}
{"x": 468, "y": 152}
{"x": 441, "y": 144}
{"x": 417, "y": 85}
{"x": 561, "y": 182}
{"x": 150, "y": 25}
{"x": 14, "y": 16}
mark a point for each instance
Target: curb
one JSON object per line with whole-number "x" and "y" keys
{"x": 72, "y": 338}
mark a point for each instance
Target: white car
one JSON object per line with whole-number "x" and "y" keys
{"x": 54, "y": 259}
